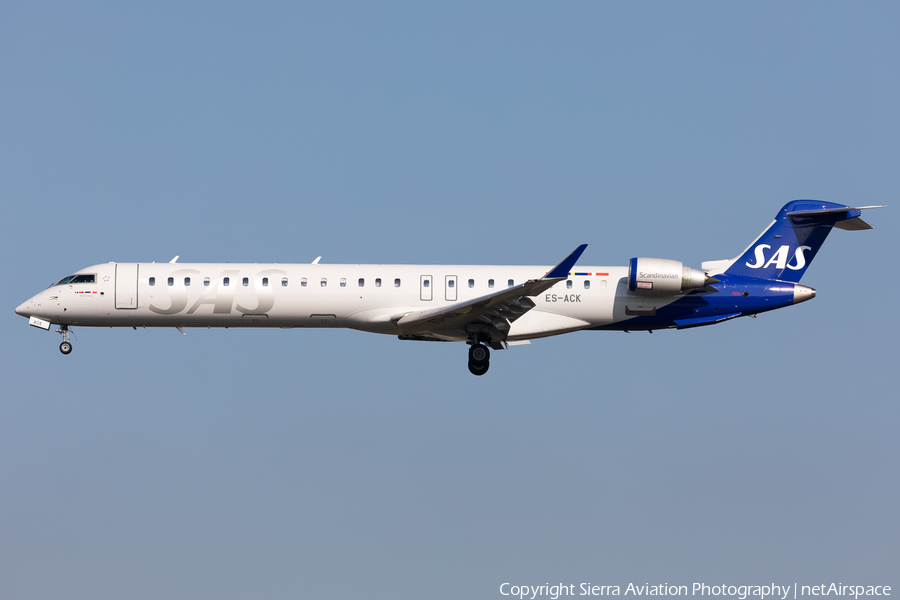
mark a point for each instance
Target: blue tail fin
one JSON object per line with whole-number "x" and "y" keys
{"x": 785, "y": 250}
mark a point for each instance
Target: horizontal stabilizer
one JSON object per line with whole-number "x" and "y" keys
{"x": 854, "y": 224}
{"x": 842, "y": 217}
{"x": 825, "y": 211}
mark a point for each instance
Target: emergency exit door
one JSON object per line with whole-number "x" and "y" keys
{"x": 425, "y": 292}
{"x": 450, "y": 288}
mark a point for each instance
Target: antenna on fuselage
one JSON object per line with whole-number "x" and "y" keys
{"x": 174, "y": 260}
{"x": 318, "y": 258}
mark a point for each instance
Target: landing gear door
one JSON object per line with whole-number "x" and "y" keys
{"x": 126, "y": 285}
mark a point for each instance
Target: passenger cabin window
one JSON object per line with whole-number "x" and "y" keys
{"x": 343, "y": 282}
{"x": 226, "y": 282}
{"x": 510, "y": 283}
{"x": 324, "y": 282}
{"x": 490, "y": 283}
{"x": 171, "y": 281}
{"x": 152, "y": 281}
{"x": 303, "y": 282}
{"x": 265, "y": 282}
{"x": 284, "y": 282}
{"x": 362, "y": 282}
{"x": 569, "y": 284}
{"x": 206, "y": 281}
{"x": 587, "y": 284}
{"x": 397, "y": 282}
{"x": 378, "y": 282}
{"x": 245, "y": 282}
{"x": 471, "y": 283}
{"x": 187, "y": 282}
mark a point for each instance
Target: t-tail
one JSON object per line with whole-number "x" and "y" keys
{"x": 787, "y": 247}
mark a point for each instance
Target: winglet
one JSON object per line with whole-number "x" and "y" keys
{"x": 561, "y": 271}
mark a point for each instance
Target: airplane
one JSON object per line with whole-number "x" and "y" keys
{"x": 488, "y": 307}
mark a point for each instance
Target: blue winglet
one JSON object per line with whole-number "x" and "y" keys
{"x": 561, "y": 271}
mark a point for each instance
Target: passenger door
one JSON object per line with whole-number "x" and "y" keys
{"x": 126, "y": 285}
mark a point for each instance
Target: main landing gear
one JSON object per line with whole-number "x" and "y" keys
{"x": 66, "y": 346}
{"x": 479, "y": 358}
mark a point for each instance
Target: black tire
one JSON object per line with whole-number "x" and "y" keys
{"x": 65, "y": 347}
{"x": 476, "y": 369}
{"x": 479, "y": 354}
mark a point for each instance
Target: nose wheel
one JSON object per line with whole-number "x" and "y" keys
{"x": 479, "y": 359}
{"x": 66, "y": 346}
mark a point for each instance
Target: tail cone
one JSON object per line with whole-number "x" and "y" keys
{"x": 803, "y": 293}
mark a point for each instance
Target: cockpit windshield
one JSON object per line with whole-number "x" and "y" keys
{"x": 63, "y": 280}
{"x": 75, "y": 279}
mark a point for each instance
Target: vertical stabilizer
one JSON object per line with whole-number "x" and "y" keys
{"x": 787, "y": 247}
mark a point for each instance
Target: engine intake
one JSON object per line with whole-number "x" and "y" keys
{"x": 663, "y": 276}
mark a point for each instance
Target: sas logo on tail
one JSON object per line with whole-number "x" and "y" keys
{"x": 779, "y": 259}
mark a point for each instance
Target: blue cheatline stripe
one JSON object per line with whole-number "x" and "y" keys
{"x": 632, "y": 275}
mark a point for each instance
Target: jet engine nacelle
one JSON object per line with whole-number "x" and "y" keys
{"x": 663, "y": 276}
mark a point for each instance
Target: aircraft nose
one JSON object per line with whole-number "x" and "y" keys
{"x": 26, "y": 309}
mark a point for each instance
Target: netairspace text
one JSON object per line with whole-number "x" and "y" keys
{"x": 791, "y": 591}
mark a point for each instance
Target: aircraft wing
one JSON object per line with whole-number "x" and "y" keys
{"x": 489, "y": 315}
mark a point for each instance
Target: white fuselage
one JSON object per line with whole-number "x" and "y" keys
{"x": 364, "y": 297}
{"x": 488, "y": 306}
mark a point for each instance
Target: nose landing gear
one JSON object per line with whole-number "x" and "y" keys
{"x": 66, "y": 346}
{"x": 479, "y": 359}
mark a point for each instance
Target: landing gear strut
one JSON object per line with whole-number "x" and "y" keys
{"x": 479, "y": 358}
{"x": 66, "y": 346}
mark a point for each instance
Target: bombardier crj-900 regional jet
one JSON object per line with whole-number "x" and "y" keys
{"x": 489, "y": 307}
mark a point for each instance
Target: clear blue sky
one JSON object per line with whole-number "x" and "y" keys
{"x": 293, "y": 464}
